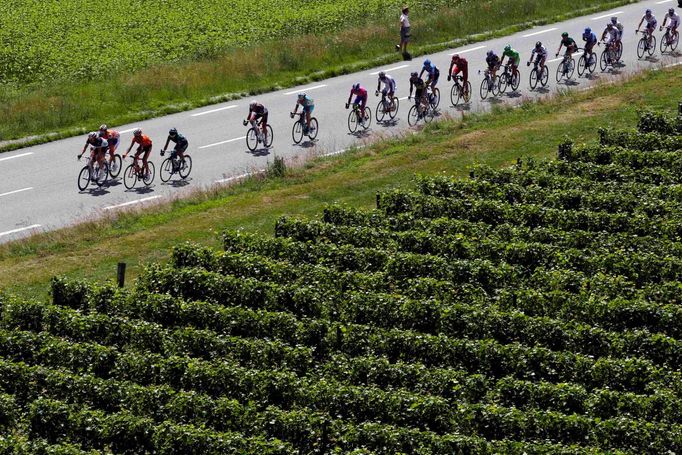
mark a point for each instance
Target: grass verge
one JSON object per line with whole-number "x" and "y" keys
{"x": 92, "y": 250}
{"x": 32, "y": 115}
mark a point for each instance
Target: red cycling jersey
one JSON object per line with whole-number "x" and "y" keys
{"x": 143, "y": 140}
{"x": 110, "y": 134}
{"x": 359, "y": 92}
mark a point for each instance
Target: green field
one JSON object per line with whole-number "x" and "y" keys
{"x": 528, "y": 310}
{"x": 66, "y": 65}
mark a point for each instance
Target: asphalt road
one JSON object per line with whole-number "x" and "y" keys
{"x": 38, "y": 185}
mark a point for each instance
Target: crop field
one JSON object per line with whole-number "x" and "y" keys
{"x": 533, "y": 309}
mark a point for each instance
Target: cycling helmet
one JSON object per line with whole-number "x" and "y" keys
{"x": 588, "y": 30}
{"x": 564, "y": 35}
{"x": 507, "y": 47}
{"x": 382, "y": 75}
{"x": 172, "y": 132}
{"x": 671, "y": 11}
{"x": 614, "y": 20}
{"x": 137, "y": 132}
{"x": 427, "y": 63}
{"x": 609, "y": 25}
{"x": 252, "y": 104}
{"x": 356, "y": 86}
{"x": 455, "y": 57}
{"x": 538, "y": 45}
{"x": 414, "y": 74}
{"x": 93, "y": 135}
{"x": 648, "y": 12}
{"x": 490, "y": 53}
{"x": 103, "y": 127}
{"x": 301, "y": 95}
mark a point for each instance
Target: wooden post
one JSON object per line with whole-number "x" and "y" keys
{"x": 121, "y": 275}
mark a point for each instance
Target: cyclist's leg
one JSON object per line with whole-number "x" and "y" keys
{"x": 145, "y": 157}
{"x": 264, "y": 124}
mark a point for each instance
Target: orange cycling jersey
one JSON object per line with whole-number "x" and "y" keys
{"x": 110, "y": 134}
{"x": 143, "y": 140}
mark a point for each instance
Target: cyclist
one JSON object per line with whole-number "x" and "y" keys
{"x": 389, "y": 89}
{"x": 258, "y": 112}
{"x": 360, "y": 93}
{"x": 99, "y": 148}
{"x": 493, "y": 62}
{"x": 419, "y": 86}
{"x": 112, "y": 137}
{"x": 590, "y": 40}
{"x": 619, "y": 27}
{"x": 181, "y": 144}
{"x": 610, "y": 36}
{"x": 569, "y": 43}
{"x": 513, "y": 58}
{"x": 433, "y": 74}
{"x": 650, "y": 25}
{"x": 307, "y": 105}
{"x": 540, "y": 54}
{"x": 459, "y": 65}
{"x": 673, "y": 21}
{"x": 145, "y": 145}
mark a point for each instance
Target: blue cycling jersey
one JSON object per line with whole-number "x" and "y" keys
{"x": 590, "y": 38}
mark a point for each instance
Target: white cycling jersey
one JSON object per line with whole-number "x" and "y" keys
{"x": 650, "y": 21}
{"x": 673, "y": 21}
{"x": 542, "y": 52}
{"x": 389, "y": 84}
{"x": 612, "y": 34}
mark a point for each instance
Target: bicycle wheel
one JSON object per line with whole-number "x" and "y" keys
{"x": 353, "y": 121}
{"x": 312, "y": 133}
{"x": 652, "y": 49}
{"x": 101, "y": 173}
{"x": 412, "y": 116}
{"x": 544, "y": 77}
{"x": 269, "y": 137}
{"x": 502, "y": 84}
{"x": 429, "y": 114}
{"x": 570, "y": 69}
{"x": 166, "y": 170}
{"x": 516, "y": 80}
{"x": 115, "y": 166}
{"x": 496, "y": 86}
{"x": 454, "y": 94}
{"x": 251, "y": 140}
{"x": 641, "y": 47}
{"x": 533, "y": 78}
{"x": 148, "y": 178}
{"x": 619, "y": 51}
{"x": 603, "y": 61}
{"x": 129, "y": 176}
{"x": 297, "y": 132}
{"x": 380, "y": 112}
{"x": 394, "y": 107}
{"x": 368, "y": 119}
{"x": 560, "y": 71}
{"x": 675, "y": 41}
{"x": 664, "y": 43}
{"x": 84, "y": 178}
{"x": 485, "y": 88}
{"x": 186, "y": 167}
{"x": 434, "y": 101}
{"x": 582, "y": 64}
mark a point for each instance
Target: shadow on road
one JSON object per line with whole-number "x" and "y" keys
{"x": 306, "y": 144}
{"x": 388, "y": 123}
{"x": 462, "y": 107}
{"x": 259, "y": 152}
{"x": 513, "y": 94}
{"x": 141, "y": 190}
{"x": 542, "y": 90}
{"x": 179, "y": 183}
{"x": 96, "y": 191}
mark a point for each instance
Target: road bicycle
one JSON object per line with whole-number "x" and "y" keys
{"x": 115, "y": 165}
{"x": 509, "y": 78}
{"x": 538, "y": 75}
{"x": 646, "y": 44}
{"x": 254, "y": 136}
{"x": 301, "y": 129}
{"x": 422, "y": 111}
{"x": 386, "y": 107}
{"x": 135, "y": 172}
{"x": 93, "y": 171}
{"x": 174, "y": 165}
{"x": 459, "y": 92}
{"x": 489, "y": 85}
{"x": 433, "y": 96}
{"x": 587, "y": 63}
{"x": 609, "y": 56}
{"x": 358, "y": 117}
{"x": 669, "y": 40}
{"x": 565, "y": 68}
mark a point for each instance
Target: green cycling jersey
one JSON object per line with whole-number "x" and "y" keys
{"x": 513, "y": 55}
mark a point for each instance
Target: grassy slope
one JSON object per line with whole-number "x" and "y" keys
{"x": 450, "y": 147}
{"x": 72, "y": 107}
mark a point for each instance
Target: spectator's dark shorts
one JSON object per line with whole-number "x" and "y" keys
{"x": 405, "y": 33}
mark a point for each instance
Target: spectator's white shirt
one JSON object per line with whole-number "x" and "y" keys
{"x": 404, "y": 20}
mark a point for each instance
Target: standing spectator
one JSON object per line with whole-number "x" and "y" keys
{"x": 404, "y": 33}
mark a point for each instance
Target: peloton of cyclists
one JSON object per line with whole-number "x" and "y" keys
{"x": 459, "y": 65}
{"x": 360, "y": 93}
{"x": 389, "y": 89}
{"x": 590, "y": 40}
{"x": 258, "y": 112}
{"x": 650, "y": 25}
{"x": 307, "y": 106}
{"x": 539, "y": 53}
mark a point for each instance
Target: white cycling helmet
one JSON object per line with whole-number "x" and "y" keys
{"x": 137, "y": 132}
{"x": 103, "y": 127}
{"x": 253, "y": 104}
{"x": 93, "y": 135}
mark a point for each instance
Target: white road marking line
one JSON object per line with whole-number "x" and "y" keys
{"x": 144, "y": 199}
{"x": 664, "y": 1}
{"x": 554, "y": 60}
{"x": 606, "y": 15}
{"x": 670, "y": 65}
{"x": 16, "y": 191}
{"x": 14, "y": 231}
{"x": 469, "y": 50}
{"x": 16, "y": 156}
{"x": 127, "y": 131}
{"x": 540, "y": 32}
{"x": 236, "y": 177}
{"x": 306, "y": 89}
{"x": 389, "y": 69}
{"x": 403, "y": 98}
{"x": 214, "y": 110}
{"x": 223, "y": 142}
